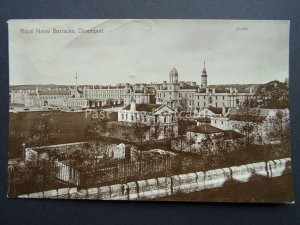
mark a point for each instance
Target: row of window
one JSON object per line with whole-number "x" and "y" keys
{"x": 216, "y": 97}
{"x": 105, "y": 96}
{"x": 144, "y": 118}
{"x": 189, "y": 95}
{"x": 54, "y": 97}
{"x": 118, "y": 91}
{"x": 77, "y": 104}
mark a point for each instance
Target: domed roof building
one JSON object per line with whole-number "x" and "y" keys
{"x": 173, "y": 75}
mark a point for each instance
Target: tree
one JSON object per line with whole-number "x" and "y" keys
{"x": 278, "y": 135}
{"x": 39, "y": 171}
{"x": 247, "y": 122}
{"x": 273, "y": 95}
{"x": 279, "y": 127}
{"x": 42, "y": 132}
{"x": 182, "y": 139}
{"x": 139, "y": 133}
{"x": 207, "y": 145}
{"x": 191, "y": 140}
{"x": 226, "y": 149}
{"x": 96, "y": 129}
{"x": 93, "y": 149}
{"x": 155, "y": 129}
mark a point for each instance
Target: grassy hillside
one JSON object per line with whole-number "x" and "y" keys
{"x": 71, "y": 127}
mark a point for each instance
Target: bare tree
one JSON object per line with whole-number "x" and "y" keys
{"x": 42, "y": 132}
{"x": 279, "y": 127}
{"x": 191, "y": 140}
{"x": 207, "y": 145}
{"x": 155, "y": 130}
{"x": 40, "y": 170}
{"x": 96, "y": 129}
{"x": 181, "y": 139}
{"x": 247, "y": 123}
{"x": 139, "y": 133}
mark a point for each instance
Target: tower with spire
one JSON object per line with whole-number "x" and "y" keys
{"x": 74, "y": 92}
{"x": 204, "y": 77}
{"x": 76, "y": 82}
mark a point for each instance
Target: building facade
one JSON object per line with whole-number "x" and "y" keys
{"x": 191, "y": 97}
{"x": 162, "y": 120}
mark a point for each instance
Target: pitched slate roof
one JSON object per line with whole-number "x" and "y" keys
{"x": 205, "y": 129}
{"x": 250, "y": 115}
{"x": 54, "y": 92}
{"x": 203, "y": 119}
{"x": 144, "y": 107}
{"x": 246, "y": 118}
{"x": 231, "y": 134}
{"x": 216, "y": 110}
{"x": 188, "y": 87}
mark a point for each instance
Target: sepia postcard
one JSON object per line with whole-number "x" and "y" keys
{"x": 159, "y": 110}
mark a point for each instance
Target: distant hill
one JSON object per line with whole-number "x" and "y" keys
{"x": 239, "y": 87}
{"x": 273, "y": 95}
{"x": 33, "y": 86}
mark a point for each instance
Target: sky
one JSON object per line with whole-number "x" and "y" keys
{"x": 137, "y": 51}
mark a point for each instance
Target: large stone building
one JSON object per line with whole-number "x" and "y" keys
{"x": 119, "y": 94}
{"x": 175, "y": 94}
{"x": 47, "y": 97}
{"x": 106, "y": 95}
{"x": 192, "y": 97}
{"x": 161, "y": 120}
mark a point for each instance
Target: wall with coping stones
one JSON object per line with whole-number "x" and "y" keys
{"x": 165, "y": 186}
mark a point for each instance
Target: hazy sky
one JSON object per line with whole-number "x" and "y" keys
{"x": 146, "y": 50}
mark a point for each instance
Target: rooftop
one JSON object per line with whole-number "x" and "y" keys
{"x": 203, "y": 119}
{"x": 231, "y": 134}
{"x": 188, "y": 87}
{"x": 53, "y": 92}
{"x": 252, "y": 114}
{"x": 216, "y": 110}
{"x": 144, "y": 107}
{"x": 247, "y": 118}
{"x": 205, "y": 129}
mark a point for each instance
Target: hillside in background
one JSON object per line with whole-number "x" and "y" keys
{"x": 273, "y": 95}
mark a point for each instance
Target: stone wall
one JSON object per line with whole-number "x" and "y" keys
{"x": 165, "y": 186}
